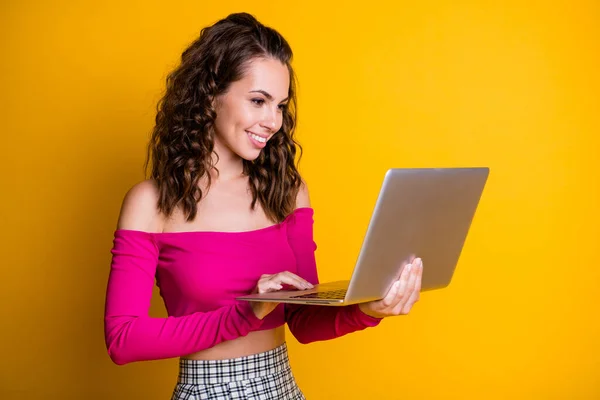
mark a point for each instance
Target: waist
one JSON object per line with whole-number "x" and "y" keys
{"x": 254, "y": 343}
{"x": 197, "y": 372}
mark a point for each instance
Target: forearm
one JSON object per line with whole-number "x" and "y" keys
{"x": 138, "y": 338}
{"x": 131, "y": 335}
{"x": 311, "y": 323}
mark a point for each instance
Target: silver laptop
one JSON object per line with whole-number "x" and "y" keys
{"x": 422, "y": 212}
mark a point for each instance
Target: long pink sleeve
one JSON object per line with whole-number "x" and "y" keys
{"x": 311, "y": 323}
{"x": 131, "y": 335}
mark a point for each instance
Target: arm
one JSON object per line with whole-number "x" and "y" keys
{"x": 310, "y": 323}
{"x": 130, "y": 334}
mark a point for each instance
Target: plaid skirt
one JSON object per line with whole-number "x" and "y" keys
{"x": 263, "y": 376}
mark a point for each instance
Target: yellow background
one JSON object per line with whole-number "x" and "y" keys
{"x": 514, "y": 86}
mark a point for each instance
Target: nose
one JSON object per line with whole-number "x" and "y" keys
{"x": 270, "y": 120}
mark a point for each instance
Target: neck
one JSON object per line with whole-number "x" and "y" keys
{"x": 229, "y": 164}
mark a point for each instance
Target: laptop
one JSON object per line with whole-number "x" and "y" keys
{"x": 419, "y": 212}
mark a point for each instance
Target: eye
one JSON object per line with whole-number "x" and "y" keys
{"x": 282, "y": 107}
{"x": 258, "y": 101}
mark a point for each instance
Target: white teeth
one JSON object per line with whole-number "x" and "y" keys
{"x": 258, "y": 138}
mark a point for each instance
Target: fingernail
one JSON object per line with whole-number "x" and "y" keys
{"x": 408, "y": 267}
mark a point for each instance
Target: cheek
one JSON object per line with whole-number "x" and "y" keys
{"x": 230, "y": 120}
{"x": 247, "y": 117}
{"x": 234, "y": 119}
{"x": 223, "y": 120}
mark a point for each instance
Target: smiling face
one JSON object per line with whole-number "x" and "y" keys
{"x": 251, "y": 111}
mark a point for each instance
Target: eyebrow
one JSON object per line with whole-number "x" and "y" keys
{"x": 266, "y": 94}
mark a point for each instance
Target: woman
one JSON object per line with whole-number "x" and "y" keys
{"x": 226, "y": 213}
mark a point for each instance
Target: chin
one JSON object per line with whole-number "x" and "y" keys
{"x": 249, "y": 155}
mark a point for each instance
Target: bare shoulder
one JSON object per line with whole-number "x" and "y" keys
{"x": 139, "y": 209}
{"x": 303, "y": 198}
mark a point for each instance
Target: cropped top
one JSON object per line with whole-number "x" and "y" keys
{"x": 199, "y": 275}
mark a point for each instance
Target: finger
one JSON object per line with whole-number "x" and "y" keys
{"x": 298, "y": 279}
{"x": 399, "y": 272}
{"x": 267, "y": 285}
{"x": 301, "y": 279}
{"x": 408, "y": 289}
{"x": 420, "y": 277}
{"x": 292, "y": 280}
{"x": 400, "y": 288}
{"x": 416, "y": 293}
{"x": 388, "y": 300}
{"x": 408, "y": 260}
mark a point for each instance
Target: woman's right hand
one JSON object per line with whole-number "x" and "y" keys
{"x": 273, "y": 283}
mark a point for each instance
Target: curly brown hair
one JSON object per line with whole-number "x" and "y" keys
{"x": 182, "y": 142}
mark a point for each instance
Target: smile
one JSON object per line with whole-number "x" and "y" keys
{"x": 259, "y": 139}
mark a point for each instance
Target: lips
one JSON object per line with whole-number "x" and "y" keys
{"x": 259, "y": 141}
{"x": 257, "y": 134}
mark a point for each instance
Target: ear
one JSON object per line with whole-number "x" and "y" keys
{"x": 215, "y": 101}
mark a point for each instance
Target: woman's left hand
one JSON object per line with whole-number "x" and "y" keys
{"x": 403, "y": 294}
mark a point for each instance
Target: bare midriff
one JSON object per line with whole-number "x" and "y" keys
{"x": 253, "y": 343}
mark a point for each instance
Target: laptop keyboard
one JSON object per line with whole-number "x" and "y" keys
{"x": 338, "y": 294}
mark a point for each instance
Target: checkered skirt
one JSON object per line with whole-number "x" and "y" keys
{"x": 263, "y": 376}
